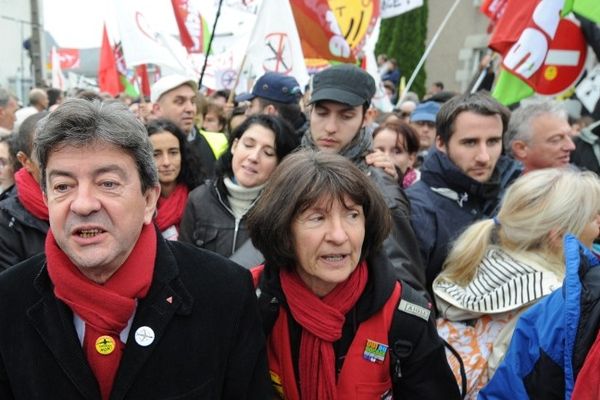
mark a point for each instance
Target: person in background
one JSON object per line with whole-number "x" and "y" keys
{"x": 401, "y": 144}
{"x": 174, "y": 97}
{"x": 215, "y": 215}
{"x": 179, "y": 172}
{"x": 213, "y": 117}
{"x": 277, "y": 94}
{"x": 7, "y": 171}
{"x": 328, "y": 295}
{"x": 38, "y": 102}
{"x": 111, "y": 309}
{"x": 23, "y": 212}
{"x": 8, "y": 107}
{"x": 55, "y": 98}
{"x": 499, "y": 268}
{"x": 238, "y": 115}
{"x": 539, "y": 136}
{"x": 422, "y": 119}
{"x": 463, "y": 177}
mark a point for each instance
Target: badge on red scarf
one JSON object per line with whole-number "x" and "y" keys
{"x": 105, "y": 345}
{"x": 375, "y": 351}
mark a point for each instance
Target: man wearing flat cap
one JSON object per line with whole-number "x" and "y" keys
{"x": 340, "y": 99}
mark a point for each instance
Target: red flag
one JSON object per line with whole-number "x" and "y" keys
{"x": 180, "y": 10}
{"x": 108, "y": 76}
{"x": 494, "y": 9}
{"x": 142, "y": 73}
{"x": 319, "y": 31}
{"x": 515, "y": 18}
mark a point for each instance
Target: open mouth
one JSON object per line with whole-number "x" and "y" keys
{"x": 89, "y": 233}
{"x": 334, "y": 258}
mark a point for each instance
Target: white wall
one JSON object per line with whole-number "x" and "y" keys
{"x": 14, "y": 60}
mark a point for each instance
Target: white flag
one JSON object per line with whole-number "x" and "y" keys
{"x": 391, "y": 8}
{"x": 58, "y": 79}
{"x": 142, "y": 43}
{"x": 275, "y": 44}
{"x": 588, "y": 91}
{"x": 380, "y": 101}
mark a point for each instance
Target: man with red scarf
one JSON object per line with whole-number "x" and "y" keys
{"x": 111, "y": 309}
{"x": 23, "y": 214}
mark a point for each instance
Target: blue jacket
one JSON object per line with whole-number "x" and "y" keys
{"x": 446, "y": 201}
{"x": 552, "y": 338}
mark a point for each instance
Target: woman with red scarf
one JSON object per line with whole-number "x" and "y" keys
{"x": 338, "y": 323}
{"x": 178, "y": 173}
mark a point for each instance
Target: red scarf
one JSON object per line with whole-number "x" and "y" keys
{"x": 105, "y": 309}
{"x": 170, "y": 209}
{"x": 322, "y": 320}
{"x": 30, "y": 195}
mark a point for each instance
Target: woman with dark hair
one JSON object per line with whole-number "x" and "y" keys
{"x": 178, "y": 173}
{"x": 401, "y": 143}
{"x": 338, "y": 323}
{"x": 214, "y": 218}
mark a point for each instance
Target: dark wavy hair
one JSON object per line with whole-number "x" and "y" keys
{"x": 302, "y": 180}
{"x": 192, "y": 172}
{"x": 286, "y": 140}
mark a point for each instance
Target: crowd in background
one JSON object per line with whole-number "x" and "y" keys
{"x": 480, "y": 212}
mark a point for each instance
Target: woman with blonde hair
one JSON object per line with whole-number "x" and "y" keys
{"x": 499, "y": 267}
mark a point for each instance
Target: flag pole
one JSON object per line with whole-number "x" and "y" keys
{"x": 212, "y": 35}
{"x": 427, "y": 51}
{"x": 237, "y": 80}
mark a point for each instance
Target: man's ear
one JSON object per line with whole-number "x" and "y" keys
{"x": 151, "y": 197}
{"x": 270, "y": 110}
{"x": 156, "y": 109}
{"x": 519, "y": 149}
{"x": 439, "y": 144}
{"x": 25, "y": 161}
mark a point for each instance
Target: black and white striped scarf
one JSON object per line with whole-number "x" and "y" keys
{"x": 501, "y": 283}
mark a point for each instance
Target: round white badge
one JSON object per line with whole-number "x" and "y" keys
{"x": 144, "y": 336}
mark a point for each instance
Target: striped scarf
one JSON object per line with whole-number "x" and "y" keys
{"x": 502, "y": 283}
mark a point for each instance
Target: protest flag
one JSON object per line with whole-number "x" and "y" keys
{"x": 58, "y": 79}
{"x": 108, "y": 75}
{"x": 275, "y": 44}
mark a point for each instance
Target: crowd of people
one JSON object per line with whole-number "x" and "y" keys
{"x": 297, "y": 244}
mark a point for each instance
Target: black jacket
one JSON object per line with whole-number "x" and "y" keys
{"x": 587, "y": 149}
{"x": 21, "y": 234}
{"x": 401, "y": 245}
{"x": 209, "y": 343}
{"x": 445, "y": 202}
{"x": 425, "y": 371}
{"x": 209, "y": 223}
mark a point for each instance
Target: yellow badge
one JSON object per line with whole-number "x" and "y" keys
{"x": 276, "y": 382}
{"x": 105, "y": 345}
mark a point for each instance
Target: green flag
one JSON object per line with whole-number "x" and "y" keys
{"x": 510, "y": 89}
{"x": 589, "y": 9}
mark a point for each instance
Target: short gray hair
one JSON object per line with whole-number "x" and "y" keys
{"x": 519, "y": 126}
{"x": 80, "y": 123}
{"x": 5, "y": 96}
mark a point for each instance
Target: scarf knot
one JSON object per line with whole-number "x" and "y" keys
{"x": 105, "y": 309}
